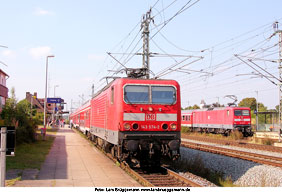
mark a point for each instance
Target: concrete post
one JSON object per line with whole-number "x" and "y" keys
{"x": 3, "y": 156}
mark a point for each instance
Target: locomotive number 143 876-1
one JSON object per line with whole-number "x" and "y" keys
{"x": 150, "y": 127}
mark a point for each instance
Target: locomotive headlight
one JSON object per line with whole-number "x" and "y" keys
{"x": 126, "y": 126}
{"x": 164, "y": 126}
{"x": 173, "y": 126}
{"x": 135, "y": 126}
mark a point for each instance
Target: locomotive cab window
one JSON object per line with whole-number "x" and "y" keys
{"x": 142, "y": 94}
{"x": 237, "y": 112}
{"x": 163, "y": 95}
{"x": 245, "y": 113}
{"x": 136, "y": 94}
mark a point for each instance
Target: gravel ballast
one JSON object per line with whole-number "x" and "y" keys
{"x": 242, "y": 173}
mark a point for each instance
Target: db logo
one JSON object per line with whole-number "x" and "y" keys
{"x": 150, "y": 117}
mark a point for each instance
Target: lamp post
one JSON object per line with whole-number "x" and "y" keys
{"x": 55, "y": 90}
{"x": 45, "y": 100}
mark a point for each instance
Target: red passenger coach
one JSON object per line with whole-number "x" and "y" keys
{"x": 81, "y": 118}
{"x": 137, "y": 118}
{"x": 219, "y": 120}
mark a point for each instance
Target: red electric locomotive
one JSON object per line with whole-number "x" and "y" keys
{"x": 137, "y": 118}
{"x": 219, "y": 120}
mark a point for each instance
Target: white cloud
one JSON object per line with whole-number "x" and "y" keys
{"x": 40, "y": 11}
{"x": 39, "y": 52}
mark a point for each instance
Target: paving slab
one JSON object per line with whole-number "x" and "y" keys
{"x": 29, "y": 174}
{"x": 74, "y": 162}
{"x": 12, "y": 174}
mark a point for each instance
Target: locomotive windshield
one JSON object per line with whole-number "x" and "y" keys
{"x": 241, "y": 112}
{"x": 163, "y": 94}
{"x": 136, "y": 94}
{"x": 141, "y": 94}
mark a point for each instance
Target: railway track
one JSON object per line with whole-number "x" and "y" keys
{"x": 254, "y": 157}
{"x": 160, "y": 177}
{"x": 235, "y": 143}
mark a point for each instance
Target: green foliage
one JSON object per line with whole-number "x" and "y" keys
{"x": 267, "y": 142}
{"x": 248, "y": 102}
{"x": 236, "y": 135}
{"x": 191, "y": 107}
{"x": 277, "y": 108}
{"x": 185, "y": 129}
{"x": 18, "y": 114}
{"x": 30, "y": 155}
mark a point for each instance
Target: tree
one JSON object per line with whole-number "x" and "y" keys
{"x": 277, "y": 108}
{"x": 9, "y": 110}
{"x": 18, "y": 114}
{"x": 192, "y": 107}
{"x": 248, "y": 102}
{"x": 195, "y": 107}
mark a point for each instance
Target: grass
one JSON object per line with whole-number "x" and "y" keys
{"x": 31, "y": 156}
{"x": 264, "y": 141}
{"x": 12, "y": 181}
{"x": 49, "y": 131}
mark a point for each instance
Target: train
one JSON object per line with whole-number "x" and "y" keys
{"x": 134, "y": 119}
{"x": 223, "y": 120}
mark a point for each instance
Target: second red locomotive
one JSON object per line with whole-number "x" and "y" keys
{"x": 222, "y": 120}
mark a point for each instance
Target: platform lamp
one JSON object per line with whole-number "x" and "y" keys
{"x": 45, "y": 100}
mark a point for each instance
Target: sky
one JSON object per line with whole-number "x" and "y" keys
{"x": 207, "y": 35}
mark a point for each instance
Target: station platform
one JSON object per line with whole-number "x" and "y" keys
{"x": 74, "y": 162}
{"x": 270, "y": 135}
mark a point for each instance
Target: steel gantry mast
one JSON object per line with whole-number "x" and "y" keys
{"x": 279, "y": 32}
{"x": 146, "y": 38}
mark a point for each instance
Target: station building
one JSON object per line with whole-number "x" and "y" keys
{"x": 3, "y": 89}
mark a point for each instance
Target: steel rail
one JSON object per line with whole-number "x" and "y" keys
{"x": 258, "y": 158}
{"x": 240, "y": 143}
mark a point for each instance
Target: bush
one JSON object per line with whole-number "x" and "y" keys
{"x": 19, "y": 115}
{"x": 236, "y": 135}
{"x": 267, "y": 142}
{"x": 185, "y": 130}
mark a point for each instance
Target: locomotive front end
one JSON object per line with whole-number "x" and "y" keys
{"x": 242, "y": 121}
{"x": 150, "y": 128}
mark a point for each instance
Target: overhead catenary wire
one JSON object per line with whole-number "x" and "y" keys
{"x": 228, "y": 65}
